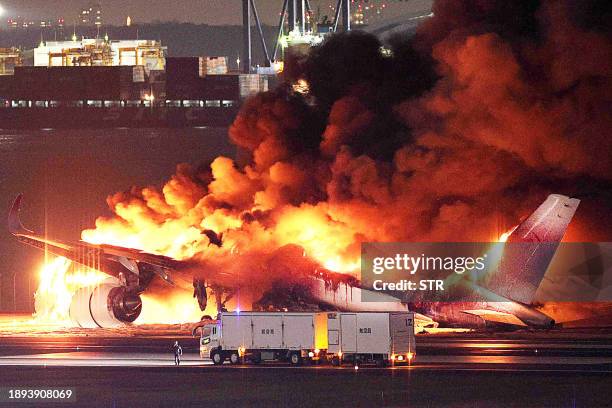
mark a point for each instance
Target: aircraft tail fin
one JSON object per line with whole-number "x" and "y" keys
{"x": 548, "y": 222}
{"x": 530, "y": 249}
{"x": 14, "y": 222}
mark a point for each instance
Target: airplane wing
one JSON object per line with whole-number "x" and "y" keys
{"x": 116, "y": 303}
{"x": 423, "y": 322}
{"x": 530, "y": 249}
{"x": 496, "y": 316}
{"x": 127, "y": 263}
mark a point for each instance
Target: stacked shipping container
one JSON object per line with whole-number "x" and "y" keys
{"x": 185, "y": 79}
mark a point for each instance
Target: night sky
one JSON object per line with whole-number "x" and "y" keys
{"x": 194, "y": 11}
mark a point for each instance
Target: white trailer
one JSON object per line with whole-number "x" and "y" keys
{"x": 371, "y": 337}
{"x": 265, "y": 336}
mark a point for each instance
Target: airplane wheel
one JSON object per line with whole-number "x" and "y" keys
{"x": 234, "y": 358}
{"x": 217, "y": 358}
{"x": 295, "y": 359}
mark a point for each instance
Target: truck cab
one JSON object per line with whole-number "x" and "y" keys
{"x": 209, "y": 340}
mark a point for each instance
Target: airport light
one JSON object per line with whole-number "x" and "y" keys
{"x": 1, "y": 10}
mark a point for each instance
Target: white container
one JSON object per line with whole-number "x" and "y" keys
{"x": 371, "y": 337}
{"x": 260, "y": 336}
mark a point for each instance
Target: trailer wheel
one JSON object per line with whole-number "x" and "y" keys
{"x": 217, "y": 358}
{"x": 335, "y": 361}
{"x": 381, "y": 363}
{"x": 234, "y": 358}
{"x": 255, "y": 358}
{"x": 295, "y": 359}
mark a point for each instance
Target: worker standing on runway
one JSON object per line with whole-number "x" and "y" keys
{"x": 178, "y": 352}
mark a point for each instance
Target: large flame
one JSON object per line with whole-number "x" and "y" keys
{"x": 175, "y": 308}
{"x": 59, "y": 280}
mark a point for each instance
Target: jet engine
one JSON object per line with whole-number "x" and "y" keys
{"x": 106, "y": 305}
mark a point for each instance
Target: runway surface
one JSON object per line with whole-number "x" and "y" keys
{"x": 467, "y": 370}
{"x": 317, "y": 386}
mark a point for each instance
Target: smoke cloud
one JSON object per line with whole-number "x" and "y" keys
{"x": 452, "y": 135}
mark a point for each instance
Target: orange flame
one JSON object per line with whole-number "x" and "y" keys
{"x": 504, "y": 237}
{"x": 173, "y": 309}
{"x": 60, "y": 279}
{"x": 309, "y": 226}
{"x": 58, "y": 283}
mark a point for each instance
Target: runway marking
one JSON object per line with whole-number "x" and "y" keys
{"x": 170, "y": 364}
{"x": 428, "y": 359}
{"x": 85, "y": 360}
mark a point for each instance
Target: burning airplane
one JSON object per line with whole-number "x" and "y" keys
{"x": 116, "y": 300}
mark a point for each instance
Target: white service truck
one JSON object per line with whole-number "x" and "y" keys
{"x": 364, "y": 337}
{"x": 265, "y": 336}
{"x": 377, "y": 337}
